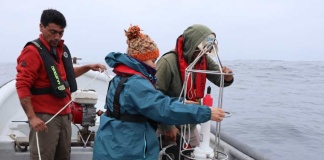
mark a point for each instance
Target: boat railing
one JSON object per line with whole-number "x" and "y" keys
{"x": 235, "y": 149}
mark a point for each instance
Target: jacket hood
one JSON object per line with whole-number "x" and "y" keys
{"x": 192, "y": 37}
{"x": 115, "y": 58}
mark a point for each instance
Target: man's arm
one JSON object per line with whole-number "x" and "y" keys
{"x": 27, "y": 106}
{"x": 214, "y": 78}
{"x": 36, "y": 123}
{"x": 28, "y": 64}
{"x": 78, "y": 71}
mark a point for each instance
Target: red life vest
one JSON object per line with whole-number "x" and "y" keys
{"x": 123, "y": 70}
{"x": 194, "y": 91}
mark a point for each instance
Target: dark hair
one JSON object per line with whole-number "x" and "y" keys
{"x": 53, "y": 16}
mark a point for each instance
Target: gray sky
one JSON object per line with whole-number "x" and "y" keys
{"x": 246, "y": 29}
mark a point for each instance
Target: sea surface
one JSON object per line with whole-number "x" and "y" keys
{"x": 277, "y": 107}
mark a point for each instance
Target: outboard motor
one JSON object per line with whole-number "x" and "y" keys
{"x": 84, "y": 112}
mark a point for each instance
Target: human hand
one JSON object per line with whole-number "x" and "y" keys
{"x": 97, "y": 67}
{"x": 227, "y": 70}
{"x": 37, "y": 124}
{"x": 171, "y": 135}
{"x": 217, "y": 114}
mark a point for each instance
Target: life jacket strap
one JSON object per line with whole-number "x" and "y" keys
{"x": 136, "y": 118}
{"x": 49, "y": 90}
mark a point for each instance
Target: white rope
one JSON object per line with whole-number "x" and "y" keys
{"x": 185, "y": 137}
{"x": 162, "y": 152}
{"x": 40, "y": 158}
{"x": 108, "y": 78}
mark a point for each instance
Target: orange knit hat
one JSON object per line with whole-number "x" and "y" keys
{"x": 140, "y": 46}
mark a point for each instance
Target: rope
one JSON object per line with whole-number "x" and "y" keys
{"x": 40, "y": 158}
{"x": 13, "y": 136}
{"x": 162, "y": 152}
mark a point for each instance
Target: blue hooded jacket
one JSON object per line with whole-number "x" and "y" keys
{"x": 118, "y": 140}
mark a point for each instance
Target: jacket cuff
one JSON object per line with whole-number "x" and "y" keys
{"x": 229, "y": 82}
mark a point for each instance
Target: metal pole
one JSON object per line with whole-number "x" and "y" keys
{"x": 209, "y": 47}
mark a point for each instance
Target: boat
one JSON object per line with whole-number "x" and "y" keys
{"x": 14, "y": 127}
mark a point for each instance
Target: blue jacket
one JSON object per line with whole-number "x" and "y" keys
{"x": 117, "y": 140}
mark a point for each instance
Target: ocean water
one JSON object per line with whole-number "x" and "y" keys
{"x": 277, "y": 107}
{"x": 7, "y": 72}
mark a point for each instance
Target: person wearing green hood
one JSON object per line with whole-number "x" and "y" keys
{"x": 133, "y": 105}
{"x": 171, "y": 71}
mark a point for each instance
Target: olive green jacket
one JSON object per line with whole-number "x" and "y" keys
{"x": 168, "y": 75}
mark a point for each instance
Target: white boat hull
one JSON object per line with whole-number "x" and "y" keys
{"x": 11, "y": 110}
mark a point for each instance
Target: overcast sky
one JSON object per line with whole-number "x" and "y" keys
{"x": 290, "y": 30}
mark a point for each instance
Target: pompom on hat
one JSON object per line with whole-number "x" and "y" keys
{"x": 140, "y": 46}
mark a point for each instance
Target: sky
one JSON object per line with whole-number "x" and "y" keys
{"x": 290, "y": 30}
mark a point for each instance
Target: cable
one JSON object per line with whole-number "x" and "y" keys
{"x": 210, "y": 47}
{"x": 162, "y": 152}
{"x": 77, "y": 94}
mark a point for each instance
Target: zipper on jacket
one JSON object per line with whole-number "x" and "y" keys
{"x": 145, "y": 145}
